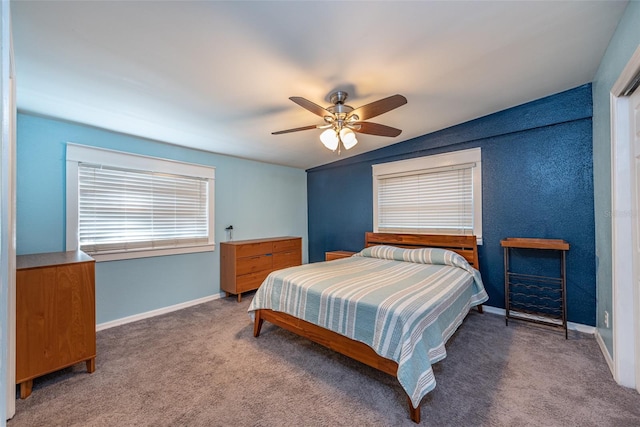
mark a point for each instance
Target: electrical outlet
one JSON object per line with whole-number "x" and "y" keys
{"x": 606, "y": 319}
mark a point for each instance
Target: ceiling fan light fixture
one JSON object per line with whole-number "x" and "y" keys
{"x": 330, "y": 139}
{"x": 348, "y": 138}
{"x": 342, "y": 121}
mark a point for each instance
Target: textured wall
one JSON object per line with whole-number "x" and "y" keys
{"x": 536, "y": 182}
{"x": 259, "y": 199}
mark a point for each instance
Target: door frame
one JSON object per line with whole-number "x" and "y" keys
{"x": 7, "y": 214}
{"x": 625, "y": 296}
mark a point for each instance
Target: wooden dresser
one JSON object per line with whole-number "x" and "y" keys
{"x": 244, "y": 264}
{"x": 55, "y": 314}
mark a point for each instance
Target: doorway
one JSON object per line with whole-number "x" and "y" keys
{"x": 625, "y": 221}
{"x": 634, "y": 133}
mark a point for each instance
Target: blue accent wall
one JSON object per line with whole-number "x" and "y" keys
{"x": 258, "y": 199}
{"x": 537, "y": 181}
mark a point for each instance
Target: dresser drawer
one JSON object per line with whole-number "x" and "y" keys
{"x": 286, "y": 259}
{"x": 260, "y": 248}
{"x": 252, "y": 264}
{"x": 286, "y": 245}
{"x": 249, "y": 282}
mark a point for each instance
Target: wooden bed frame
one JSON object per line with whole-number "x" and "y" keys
{"x": 464, "y": 245}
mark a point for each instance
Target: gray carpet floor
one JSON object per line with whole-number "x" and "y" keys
{"x": 201, "y": 366}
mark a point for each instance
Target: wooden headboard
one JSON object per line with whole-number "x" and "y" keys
{"x": 466, "y": 246}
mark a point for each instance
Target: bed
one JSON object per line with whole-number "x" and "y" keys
{"x": 392, "y": 306}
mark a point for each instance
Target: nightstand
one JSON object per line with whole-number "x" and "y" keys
{"x": 329, "y": 256}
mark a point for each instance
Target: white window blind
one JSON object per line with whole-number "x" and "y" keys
{"x": 122, "y": 205}
{"x": 439, "y": 201}
{"x": 438, "y": 194}
{"x": 121, "y": 210}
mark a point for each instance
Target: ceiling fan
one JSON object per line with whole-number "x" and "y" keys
{"x": 342, "y": 121}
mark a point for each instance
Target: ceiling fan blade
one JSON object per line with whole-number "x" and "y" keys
{"x": 296, "y": 129}
{"x": 314, "y": 108}
{"x": 375, "y": 129}
{"x": 379, "y": 107}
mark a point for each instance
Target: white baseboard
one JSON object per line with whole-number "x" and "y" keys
{"x": 157, "y": 312}
{"x": 605, "y": 352}
{"x": 570, "y": 325}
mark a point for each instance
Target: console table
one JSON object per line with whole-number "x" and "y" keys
{"x": 536, "y": 298}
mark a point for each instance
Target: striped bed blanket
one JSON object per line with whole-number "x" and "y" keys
{"x": 403, "y": 303}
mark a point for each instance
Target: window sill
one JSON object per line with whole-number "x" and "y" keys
{"x": 102, "y": 257}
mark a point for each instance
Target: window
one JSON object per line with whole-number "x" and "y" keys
{"x": 122, "y": 205}
{"x": 439, "y": 194}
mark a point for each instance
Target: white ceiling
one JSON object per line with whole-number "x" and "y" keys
{"x": 216, "y": 76}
